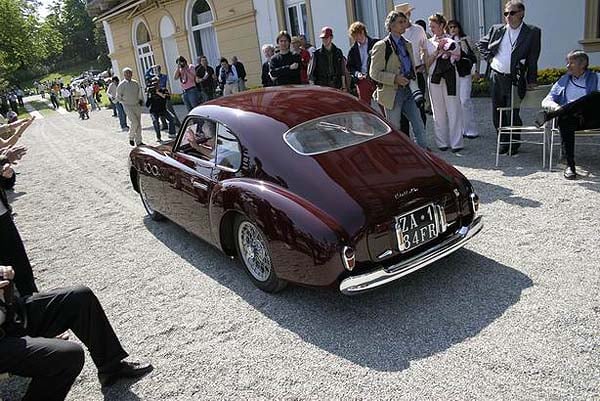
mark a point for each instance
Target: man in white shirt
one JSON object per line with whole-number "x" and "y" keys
{"x": 129, "y": 94}
{"x": 572, "y": 100}
{"x": 65, "y": 93}
{"x": 512, "y": 51}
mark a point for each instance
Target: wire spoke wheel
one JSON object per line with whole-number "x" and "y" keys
{"x": 254, "y": 251}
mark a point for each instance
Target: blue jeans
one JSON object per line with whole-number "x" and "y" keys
{"x": 191, "y": 98}
{"x": 405, "y": 104}
{"x": 121, "y": 114}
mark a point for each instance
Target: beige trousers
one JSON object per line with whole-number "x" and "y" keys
{"x": 447, "y": 115}
{"x": 134, "y": 113}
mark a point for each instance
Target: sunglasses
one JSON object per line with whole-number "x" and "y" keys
{"x": 511, "y": 13}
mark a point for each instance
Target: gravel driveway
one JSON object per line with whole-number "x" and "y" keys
{"x": 514, "y": 315}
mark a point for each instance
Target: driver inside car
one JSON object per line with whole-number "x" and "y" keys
{"x": 202, "y": 138}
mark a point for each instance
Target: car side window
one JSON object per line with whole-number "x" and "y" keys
{"x": 229, "y": 154}
{"x": 199, "y": 139}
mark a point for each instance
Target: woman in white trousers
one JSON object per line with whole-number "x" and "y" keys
{"x": 444, "y": 86}
{"x": 467, "y": 46}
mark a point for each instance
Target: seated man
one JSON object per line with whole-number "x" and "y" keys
{"x": 201, "y": 138}
{"x": 573, "y": 102}
{"x": 28, "y": 348}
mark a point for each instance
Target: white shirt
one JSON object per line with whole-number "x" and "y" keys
{"x": 111, "y": 91}
{"x": 89, "y": 90}
{"x": 501, "y": 61}
{"x": 64, "y": 92}
{"x": 575, "y": 90}
{"x": 418, "y": 39}
{"x": 129, "y": 93}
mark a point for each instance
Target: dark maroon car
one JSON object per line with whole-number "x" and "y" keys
{"x": 307, "y": 185}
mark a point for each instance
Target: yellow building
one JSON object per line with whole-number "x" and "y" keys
{"x": 142, "y": 33}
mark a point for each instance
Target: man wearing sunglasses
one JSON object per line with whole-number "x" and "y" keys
{"x": 512, "y": 51}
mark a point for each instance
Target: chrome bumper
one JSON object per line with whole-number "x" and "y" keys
{"x": 368, "y": 281}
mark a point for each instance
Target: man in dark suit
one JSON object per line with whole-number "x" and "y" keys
{"x": 12, "y": 250}
{"x": 359, "y": 61}
{"x": 512, "y": 53}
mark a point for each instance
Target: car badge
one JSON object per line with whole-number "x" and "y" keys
{"x": 400, "y": 195}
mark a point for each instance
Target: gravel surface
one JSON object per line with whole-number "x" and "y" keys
{"x": 514, "y": 315}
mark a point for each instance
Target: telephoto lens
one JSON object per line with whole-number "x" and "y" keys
{"x": 416, "y": 92}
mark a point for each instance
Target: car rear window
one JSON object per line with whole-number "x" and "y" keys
{"x": 333, "y": 132}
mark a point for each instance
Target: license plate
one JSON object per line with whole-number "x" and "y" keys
{"x": 417, "y": 227}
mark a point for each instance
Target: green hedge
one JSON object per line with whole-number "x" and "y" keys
{"x": 481, "y": 87}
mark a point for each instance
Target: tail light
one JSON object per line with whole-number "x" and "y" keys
{"x": 348, "y": 257}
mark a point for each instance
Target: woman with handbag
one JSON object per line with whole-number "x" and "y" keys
{"x": 444, "y": 84}
{"x": 469, "y": 59}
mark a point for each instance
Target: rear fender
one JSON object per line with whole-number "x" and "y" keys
{"x": 304, "y": 241}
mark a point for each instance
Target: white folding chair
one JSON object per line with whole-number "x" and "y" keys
{"x": 590, "y": 133}
{"x": 533, "y": 99}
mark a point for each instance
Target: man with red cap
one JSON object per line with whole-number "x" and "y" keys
{"x": 328, "y": 65}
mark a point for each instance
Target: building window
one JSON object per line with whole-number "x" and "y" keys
{"x": 145, "y": 55}
{"x": 296, "y": 18}
{"x": 477, "y": 16}
{"x": 372, "y": 13}
{"x": 203, "y": 36}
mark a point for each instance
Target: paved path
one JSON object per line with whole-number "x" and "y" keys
{"x": 515, "y": 315}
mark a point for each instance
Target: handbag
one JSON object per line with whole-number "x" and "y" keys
{"x": 465, "y": 64}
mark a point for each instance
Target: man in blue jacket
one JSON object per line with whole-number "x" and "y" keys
{"x": 572, "y": 100}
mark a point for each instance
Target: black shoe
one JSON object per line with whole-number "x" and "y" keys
{"x": 125, "y": 370}
{"x": 132, "y": 143}
{"x": 570, "y": 173}
{"x": 503, "y": 149}
{"x": 456, "y": 150}
{"x": 158, "y": 139}
{"x": 443, "y": 149}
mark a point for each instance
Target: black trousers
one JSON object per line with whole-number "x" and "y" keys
{"x": 404, "y": 124}
{"x": 12, "y": 253}
{"x": 501, "y": 87}
{"x": 54, "y": 364}
{"x": 578, "y": 115}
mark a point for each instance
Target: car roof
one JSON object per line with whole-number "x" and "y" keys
{"x": 288, "y": 105}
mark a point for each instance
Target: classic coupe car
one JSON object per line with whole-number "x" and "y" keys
{"x": 307, "y": 185}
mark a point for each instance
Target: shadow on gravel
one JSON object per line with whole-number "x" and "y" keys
{"x": 411, "y": 319}
{"x": 489, "y": 193}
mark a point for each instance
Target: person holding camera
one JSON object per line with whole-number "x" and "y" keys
{"x": 29, "y": 347}
{"x": 157, "y": 98}
{"x": 186, "y": 74}
{"x": 228, "y": 77}
{"x": 392, "y": 67}
{"x": 442, "y": 54}
{"x": 129, "y": 94}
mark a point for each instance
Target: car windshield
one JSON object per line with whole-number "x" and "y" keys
{"x": 333, "y": 132}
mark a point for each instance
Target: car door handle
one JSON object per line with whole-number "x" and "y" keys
{"x": 199, "y": 185}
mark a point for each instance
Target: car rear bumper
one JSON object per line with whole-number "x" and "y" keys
{"x": 368, "y": 281}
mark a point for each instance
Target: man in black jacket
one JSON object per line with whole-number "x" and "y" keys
{"x": 512, "y": 53}
{"x": 12, "y": 248}
{"x": 241, "y": 70}
{"x": 268, "y": 51}
{"x": 284, "y": 67}
{"x": 359, "y": 61}
{"x": 328, "y": 66}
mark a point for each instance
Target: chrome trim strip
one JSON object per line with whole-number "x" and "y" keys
{"x": 385, "y": 254}
{"x": 199, "y": 185}
{"x": 384, "y": 275}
